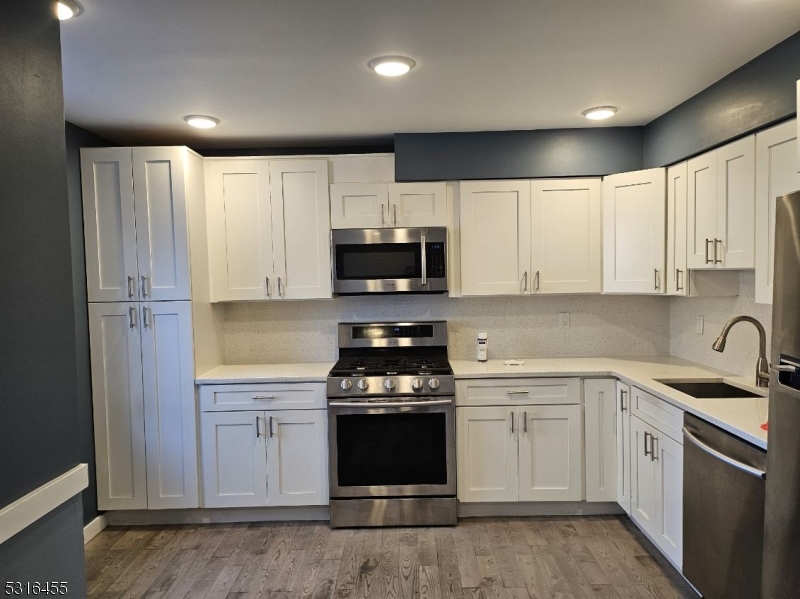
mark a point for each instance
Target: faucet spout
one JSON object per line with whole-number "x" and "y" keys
{"x": 762, "y": 366}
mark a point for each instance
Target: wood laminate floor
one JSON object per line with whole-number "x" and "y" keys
{"x": 600, "y": 557}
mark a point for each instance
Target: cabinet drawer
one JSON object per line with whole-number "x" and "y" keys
{"x": 515, "y": 392}
{"x": 657, "y": 413}
{"x": 268, "y": 396}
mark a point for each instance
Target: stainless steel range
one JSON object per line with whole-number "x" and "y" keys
{"x": 391, "y": 426}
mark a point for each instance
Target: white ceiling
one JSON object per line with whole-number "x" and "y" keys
{"x": 293, "y": 72}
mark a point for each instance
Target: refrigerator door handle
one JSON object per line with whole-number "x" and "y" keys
{"x": 783, "y": 367}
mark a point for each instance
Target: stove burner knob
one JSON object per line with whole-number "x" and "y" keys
{"x": 416, "y": 384}
{"x": 346, "y": 384}
{"x": 390, "y": 384}
{"x": 363, "y": 384}
{"x": 433, "y": 384}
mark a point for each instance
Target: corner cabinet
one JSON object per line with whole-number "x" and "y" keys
{"x": 387, "y": 205}
{"x": 634, "y": 211}
{"x": 269, "y": 229}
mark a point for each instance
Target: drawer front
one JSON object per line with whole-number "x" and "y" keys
{"x": 517, "y": 392}
{"x": 657, "y": 413}
{"x": 268, "y": 396}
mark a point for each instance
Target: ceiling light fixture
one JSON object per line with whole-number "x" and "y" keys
{"x": 201, "y": 121}
{"x": 391, "y": 66}
{"x": 599, "y": 113}
{"x": 66, "y": 9}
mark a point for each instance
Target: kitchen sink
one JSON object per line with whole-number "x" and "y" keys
{"x": 708, "y": 389}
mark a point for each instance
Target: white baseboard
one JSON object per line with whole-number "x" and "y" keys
{"x": 94, "y": 528}
{"x": 575, "y": 508}
{"x": 217, "y": 516}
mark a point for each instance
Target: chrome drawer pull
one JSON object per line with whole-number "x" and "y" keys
{"x": 517, "y": 392}
{"x": 722, "y": 457}
{"x": 263, "y": 397}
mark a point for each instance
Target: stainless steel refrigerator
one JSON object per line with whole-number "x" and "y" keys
{"x": 781, "y": 566}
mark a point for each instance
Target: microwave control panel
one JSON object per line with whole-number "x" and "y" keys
{"x": 435, "y": 260}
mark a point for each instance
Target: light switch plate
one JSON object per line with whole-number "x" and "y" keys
{"x": 699, "y": 325}
{"x": 563, "y": 320}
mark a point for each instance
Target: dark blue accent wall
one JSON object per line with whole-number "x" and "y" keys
{"x": 517, "y": 154}
{"x": 758, "y": 94}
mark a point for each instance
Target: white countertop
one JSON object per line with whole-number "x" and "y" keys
{"x": 742, "y": 417}
{"x": 298, "y": 372}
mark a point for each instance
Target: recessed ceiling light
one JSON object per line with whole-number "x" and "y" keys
{"x": 201, "y": 121}
{"x": 391, "y": 66}
{"x": 599, "y": 113}
{"x": 66, "y": 9}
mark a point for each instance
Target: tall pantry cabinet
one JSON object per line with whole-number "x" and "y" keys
{"x": 143, "y": 307}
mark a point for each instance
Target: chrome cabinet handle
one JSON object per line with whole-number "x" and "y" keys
{"x": 144, "y": 285}
{"x": 708, "y": 259}
{"x": 394, "y": 212}
{"x": 132, "y": 317}
{"x": 271, "y": 433}
{"x": 269, "y": 294}
{"x": 525, "y": 422}
{"x": 422, "y": 240}
{"x": 130, "y": 286}
{"x": 260, "y": 397}
{"x": 383, "y": 215}
{"x": 653, "y": 440}
{"x": 258, "y": 431}
{"x": 622, "y": 394}
{"x": 525, "y": 281}
{"x": 145, "y": 319}
{"x": 678, "y": 272}
{"x": 512, "y": 423}
{"x": 536, "y": 281}
{"x": 722, "y": 457}
{"x": 517, "y": 392}
{"x": 280, "y": 289}
{"x": 717, "y": 241}
{"x": 646, "y": 435}
{"x": 656, "y": 281}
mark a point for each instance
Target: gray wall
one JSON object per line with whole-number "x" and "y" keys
{"x": 39, "y": 432}
{"x": 76, "y": 139}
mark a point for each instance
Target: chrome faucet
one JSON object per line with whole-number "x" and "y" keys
{"x": 762, "y": 366}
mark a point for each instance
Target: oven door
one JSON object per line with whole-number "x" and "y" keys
{"x": 389, "y": 260}
{"x": 392, "y": 448}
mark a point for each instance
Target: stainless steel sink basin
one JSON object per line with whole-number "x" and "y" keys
{"x": 708, "y": 389}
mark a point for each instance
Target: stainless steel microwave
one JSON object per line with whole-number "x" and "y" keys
{"x": 390, "y": 260}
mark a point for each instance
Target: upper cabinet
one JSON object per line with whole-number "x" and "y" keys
{"x": 269, "y": 228}
{"x": 135, "y": 225}
{"x": 381, "y": 205}
{"x": 634, "y": 208}
{"x": 776, "y": 174}
{"x": 721, "y": 207}
{"x": 677, "y": 195}
{"x": 530, "y": 237}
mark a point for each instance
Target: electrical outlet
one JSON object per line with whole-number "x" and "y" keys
{"x": 699, "y": 325}
{"x": 563, "y": 320}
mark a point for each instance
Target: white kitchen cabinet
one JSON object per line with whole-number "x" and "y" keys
{"x": 381, "y": 205}
{"x": 634, "y": 212}
{"x": 776, "y": 174}
{"x": 550, "y": 453}
{"x": 297, "y": 457}
{"x": 600, "y": 439}
{"x": 135, "y": 224}
{"x": 721, "y": 207}
{"x": 677, "y": 197}
{"x": 169, "y": 401}
{"x": 118, "y": 406}
{"x": 566, "y": 231}
{"x": 487, "y": 454}
{"x": 644, "y": 503}
{"x": 301, "y": 228}
{"x": 623, "y": 414}
{"x": 234, "y": 459}
{"x": 495, "y": 237}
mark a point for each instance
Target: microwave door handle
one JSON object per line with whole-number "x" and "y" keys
{"x": 422, "y": 240}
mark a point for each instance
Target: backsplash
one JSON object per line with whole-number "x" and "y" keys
{"x": 305, "y": 331}
{"x": 741, "y": 351}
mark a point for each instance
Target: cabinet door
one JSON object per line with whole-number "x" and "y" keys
{"x": 550, "y": 453}
{"x": 359, "y": 205}
{"x": 234, "y": 456}
{"x": 118, "y": 406}
{"x": 702, "y": 211}
{"x": 487, "y": 454}
{"x": 566, "y": 244}
{"x": 668, "y": 532}
{"x": 776, "y": 174}
{"x": 418, "y": 204}
{"x": 644, "y": 491}
{"x": 677, "y": 197}
{"x": 297, "y": 457}
{"x": 109, "y": 224}
{"x": 623, "y": 408}
{"x": 301, "y": 229}
{"x": 600, "y": 436}
{"x": 162, "y": 244}
{"x": 634, "y": 211}
{"x": 240, "y": 230}
{"x": 495, "y": 237}
{"x": 169, "y": 400}
{"x": 736, "y": 188}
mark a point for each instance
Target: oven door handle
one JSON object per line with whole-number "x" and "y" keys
{"x": 722, "y": 457}
{"x": 389, "y": 404}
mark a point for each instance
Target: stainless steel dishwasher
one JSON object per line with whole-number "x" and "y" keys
{"x": 723, "y": 512}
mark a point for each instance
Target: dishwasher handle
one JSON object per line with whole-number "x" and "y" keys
{"x": 722, "y": 457}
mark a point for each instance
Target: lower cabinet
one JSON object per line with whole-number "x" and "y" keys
{"x": 623, "y": 412}
{"x": 524, "y": 453}
{"x": 657, "y": 488}
{"x": 600, "y": 439}
{"x": 265, "y": 458}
